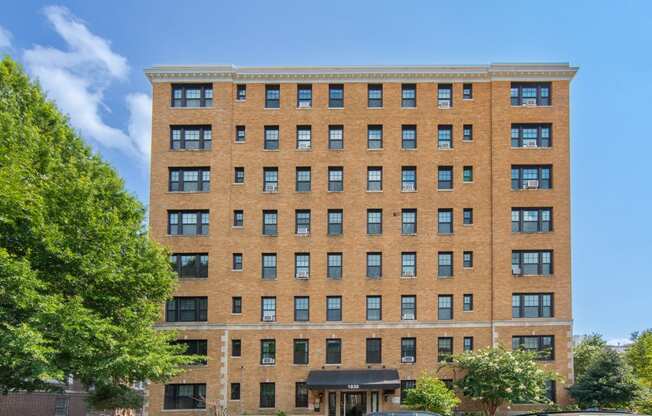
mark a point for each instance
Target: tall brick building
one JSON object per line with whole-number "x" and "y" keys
{"x": 339, "y": 230}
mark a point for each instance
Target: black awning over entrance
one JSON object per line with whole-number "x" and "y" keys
{"x": 364, "y": 379}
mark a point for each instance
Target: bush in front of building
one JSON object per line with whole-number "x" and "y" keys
{"x": 431, "y": 394}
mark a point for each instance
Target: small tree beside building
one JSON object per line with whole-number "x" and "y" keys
{"x": 432, "y": 394}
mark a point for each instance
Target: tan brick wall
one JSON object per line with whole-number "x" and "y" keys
{"x": 490, "y": 238}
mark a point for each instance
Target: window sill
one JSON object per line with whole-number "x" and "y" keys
{"x": 236, "y": 314}
{"x": 444, "y": 190}
{"x": 532, "y": 148}
{"x": 271, "y": 150}
{"x": 335, "y": 108}
{"x": 408, "y": 277}
{"x": 237, "y": 270}
{"x": 184, "y": 279}
{"x": 531, "y": 106}
{"x": 445, "y": 148}
{"x": 189, "y": 150}
{"x": 533, "y": 275}
{"x": 239, "y": 142}
{"x": 531, "y": 189}
{"x": 374, "y": 192}
{"x": 467, "y": 182}
{"x": 270, "y": 192}
{"x": 468, "y": 99}
{"x": 304, "y": 107}
{"x": 335, "y": 150}
{"x": 408, "y": 234}
{"x": 332, "y": 365}
{"x": 375, "y": 108}
{"x": 303, "y": 150}
{"x": 189, "y": 235}
{"x": 445, "y": 234}
{"x": 187, "y": 192}
{"x": 268, "y": 279}
{"x": 206, "y": 107}
{"x": 268, "y": 365}
{"x": 532, "y": 232}
{"x": 414, "y": 149}
{"x": 445, "y": 278}
{"x": 380, "y": 149}
{"x": 237, "y": 227}
{"x": 270, "y": 235}
{"x": 467, "y": 225}
{"x": 467, "y": 140}
{"x": 409, "y": 108}
{"x": 374, "y": 279}
{"x": 272, "y": 108}
{"x": 237, "y": 183}
{"x": 408, "y": 191}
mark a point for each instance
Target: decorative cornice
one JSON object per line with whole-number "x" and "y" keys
{"x": 425, "y": 73}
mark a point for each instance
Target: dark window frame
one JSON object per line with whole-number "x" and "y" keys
{"x": 336, "y": 185}
{"x": 301, "y": 314}
{"x": 173, "y": 401}
{"x": 444, "y": 183}
{"x": 373, "y": 355}
{"x": 374, "y": 142}
{"x": 467, "y": 91}
{"x": 519, "y": 224}
{"x": 335, "y": 228}
{"x": 409, "y": 348}
{"x": 375, "y": 102}
{"x": 269, "y": 272}
{"x": 333, "y": 314}
{"x": 238, "y": 218}
{"x": 235, "y": 392}
{"x": 370, "y": 313}
{"x": 173, "y": 311}
{"x": 409, "y": 227}
{"x": 238, "y": 175}
{"x": 304, "y": 101}
{"x": 445, "y": 354}
{"x": 543, "y": 353}
{"x": 236, "y": 347}
{"x": 236, "y": 305}
{"x": 519, "y": 141}
{"x": 333, "y": 356}
{"x": 374, "y": 227}
{"x": 332, "y": 143}
{"x": 333, "y": 100}
{"x": 409, "y": 142}
{"x": 205, "y": 95}
{"x": 270, "y": 312}
{"x": 467, "y": 259}
{"x": 445, "y": 313}
{"x": 467, "y": 302}
{"x": 300, "y": 394}
{"x": 241, "y": 92}
{"x": 268, "y": 350}
{"x": 408, "y": 100}
{"x": 467, "y": 216}
{"x": 371, "y": 269}
{"x": 178, "y": 227}
{"x": 204, "y": 142}
{"x": 271, "y": 141}
{"x": 519, "y": 264}
{"x": 301, "y": 356}
{"x": 267, "y": 395}
{"x": 269, "y": 92}
{"x": 334, "y": 272}
{"x": 543, "y": 310}
{"x": 467, "y": 344}
{"x": 445, "y": 141}
{"x": 541, "y": 98}
{"x": 375, "y": 185}
{"x": 445, "y": 227}
{"x": 441, "y": 98}
{"x": 176, "y": 259}
{"x": 519, "y": 182}
{"x": 301, "y": 142}
{"x": 270, "y": 228}
{"x": 408, "y": 304}
{"x": 407, "y": 269}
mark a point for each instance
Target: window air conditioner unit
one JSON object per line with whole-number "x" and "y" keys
{"x": 304, "y": 104}
{"x": 271, "y": 187}
{"x": 530, "y": 102}
{"x": 532, "y": 184}
{"x": 302, "y": 230}
{"x": 304, "y": 145}
{"x": 408, "y": 187}
{"x": 268, "y": 360}
{"x": 302, "y": 274}
{"x": 408, "y": 359}
{"x": 530, "y": 144}
{"x": 516, "y": 270}
{"x": 268, "y": 318}
{"x": 444, "y": 104}
{"x": 444, "y": 145}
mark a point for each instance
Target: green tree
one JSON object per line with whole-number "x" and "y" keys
{"x": 607, "y": 382}
{"x": 586, "y": 352}
{"x": 496, "y": 377}
{"x": 431, "y": 394}
{"x": 81, "y": 284}
{"x": 639, "y": 357}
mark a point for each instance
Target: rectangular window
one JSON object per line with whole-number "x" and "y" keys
{"x": 270, "y": 179}
{"x": 374, "y": 265}
{"x": 302, "y": 265}
{"x": 335, "y": 179}
{"x": 304, "y": 96}
{"x": 374, "y": 137}
{"x": 272, "y": 138}
{"x": 405, "y": 386}
{"x": 408, "y": 264}
{"x": 238, "y": 174}
{"x": 235, "y": 391}
{"x": 336, "y": 96}
{"x": 301, "y": 351}
{"x": 468, "y": 259}
{"x": 190, "y": 137}
{"x": 303, "y": 182}
{"x": 445, "y": 221}
{"x": 335, "y": 217}
{"x": 187, "y": 309}
{"x": 467, "y": 132}
{"x": 408, "y": 221}
{"x": 334, "y": 351}
{"x": 336, "y": 137}
{"x": 375, "y": 95}
{"x": 374, "y": 221}
{"x": 445, "y": 307}
{"x": 467, "y": 174}
{"x": 240, "y": 134}
{"x": 374, "y": 351}
{"x": 531, "y": 220}
{"x": 188, "y": 222}
{"x": 267, "y": 351}
{"x": 194, "y": 347}
{"x": 408, "y": 95}
{"x": 444, "y": 95}
{"x": 408, "y": 350}
{"x": 188, "y": 265}
{"x": 530, "y": 93}
{"x": 408, "y": 308}
{"x": 268, "y": 309}
{"x": 334, "y": 265}
{"x": 444, "y": 349}
{"x": 445, "y": 136}
{"x": 301, "y": 394}
{"x": 272, "y": 96}
{"x": 267, "y": 395}
{"x": 444, "y": 177}
{"x": 184, "y": 396}
{"x": 374, "y": 308}
{"x": 304, "y": 137}
{"x": 468, "y": 344}
{"x": 374, "y": 179}
{"x": 445, "y": 264}
{"x": 238, "y": 218}
{"x": 269, "y": 266}
{"x": 333, "y": 308}
{"x": 531, "y": 262}
{"x": 236, "y": 348}
{"x": 302, "y": 221}
{"x": 531, "y": 135}
{"x": 190, "y": 179}
{"x": 467, "y": 213}
{"x": 241, "y": 92}
{"x": 532, "y": 305}
{"x": 192, "y": 95}
{"x": 468, "y": 302}
{"x": 301, "y": 308}
{"x": 542, "y": 345}
{"x": 467, "y": 91}
{"x": 236, "y": 305}
{"x": 408, "y": 179}
{"x": 409, "y": 137}
{"x": 532, "y": 177}
{"x": 237, "y": 261}
{"x": 270, "y": 222}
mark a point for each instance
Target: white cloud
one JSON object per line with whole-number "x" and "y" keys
{"x": 77, "y": 78}
{"x": 5, "y": 38}
{"x": 619, "y": 341}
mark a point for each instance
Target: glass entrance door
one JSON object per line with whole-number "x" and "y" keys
{"x": 355, "y": 404}
{"x": 374, "y": 401}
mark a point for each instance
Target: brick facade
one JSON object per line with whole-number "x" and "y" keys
{"x": 490, "y": 237}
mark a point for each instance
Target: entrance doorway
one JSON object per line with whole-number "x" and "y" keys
{"x": 355, "y": 404}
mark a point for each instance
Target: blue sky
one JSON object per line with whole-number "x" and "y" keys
{"x": 90, "y": 56}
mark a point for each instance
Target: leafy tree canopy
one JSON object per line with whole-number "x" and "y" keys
{"x": 586, "y": 352}
{"x": 639, "y": 357}
{"x": 81, "y": 284}
{"x": 431, "y": 394}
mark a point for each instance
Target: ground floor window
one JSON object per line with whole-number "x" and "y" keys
{"x": 267, "y": 395}
{"x": 301, "y": 395}
{"x": 185, "y": 396}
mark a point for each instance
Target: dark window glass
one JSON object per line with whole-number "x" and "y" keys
{"x": 405, "y": 386}
{"x": 190, "y": 137}
{"x": 270, "y": 222}
{"x": 408, "y": 350}
{"x": 303, "y": 180}
{"x": 408, "y": 95}
{"x": 236, "y": 348}
{"x": 444, "y": 349}
{"x": 468, "y": 259}
{"x": 267, "y": 395}
{"x": 238, "y": 218}
{"x": 301, "y": 351}
{"x": 335, "y": 217}
{"x": 267, "y": 351}
{"x": 467, "y": 173}
{"x": 301, "y": 308}
{"x": 445, "y": 264}
{"x": 304, "y": 96}
{"x": 468, "y": 344}
{"x": 190, "y": 265}
{"x": 532, "y": 177}
{"x": 336, "y": 96}
{"x": 374, "y": 308}
{"x": 271, "y": 138}
{"x": 334, "y": 265}
{"x": 192, "y": 95}
{"x": 188, "y": 222}
{"x": 408, "y": 221}
{"x": 269, "y": 265}
{"x": 302, "y": 221}
{"x": 241, "y": 92}
{"x": 374, "y": 221}
{"x": 374, "y": 265}
{"x": 530, "y": 93}
{"x": 240, "y": 134}
{"x": 467, "y": 132}
{"x": 531, "y": 220}
{"x": 268, "y": 309}
{"x": 445, "y": 177}
{"x": 445, "y": 221}
{"x": 445, "y": 136}
{"x": 237, "y": 261}
{"x": 336, "y": 137}
{"x": 187, "y": 309}
{"x": 374, "y": 351}
{"x": 304, "y": 137}
{"x": 408, "y": 308}
{"x": 335, "y": 179}
{"x": 444, "y": 95}
{"x": 542, "y": 345}
{"x": 235, "y": 391}
{"x": 468, "y": 216}
{"x": 333, "y": 308}
{"x": 375, "y": 137}
{"x": 468, "y": 302}
{"x": 301, "y": 394}
{"x": 408, "y": 264}
{"x": 374, "y": 178}
{"x": 236, "y": 304}
{"x": 445, "y": 307}
{"x": 194, "y": 347}
{"x": 409, "y": 137}
{"x": 375, "y": 95}
{"x": 467, "y": 91}
{"x": 333, "y": 351}
{"x": 531, "y": 262}
{"x": 532, "y": 305}
{"x": 408, "y": 179}
{"x": 238, "y": 174}
{"x": 272, "y": 96}
{"x": 185, "y": 396}
{"x": 531, "y": 135}
{"x": 270, "y": 180}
